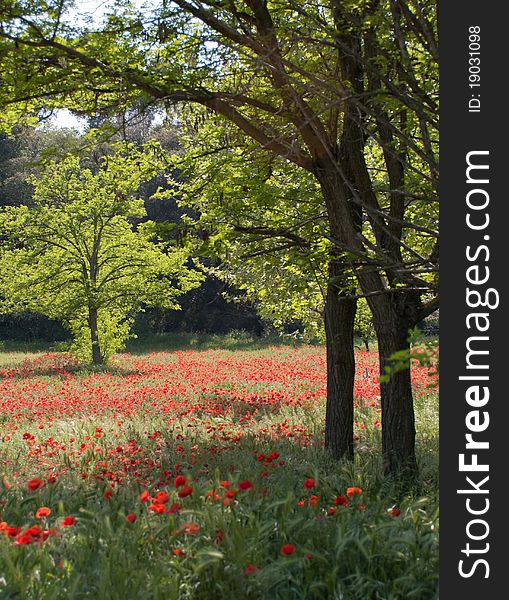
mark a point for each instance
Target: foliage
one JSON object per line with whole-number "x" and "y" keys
{"x": 423, "y": 351}
{"x": 76, "y": 255}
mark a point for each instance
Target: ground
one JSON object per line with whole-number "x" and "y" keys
{"x": 201, "y": 474}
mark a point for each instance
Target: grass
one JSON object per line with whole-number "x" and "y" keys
{"x": 218, "y": 415}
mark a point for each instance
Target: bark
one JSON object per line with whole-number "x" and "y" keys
{"x": 97, "y": 358}
{"x": 398, "y": 419}
{"x": 339, "y": 323}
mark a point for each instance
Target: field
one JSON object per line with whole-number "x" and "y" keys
{"x": 201, "y": 474}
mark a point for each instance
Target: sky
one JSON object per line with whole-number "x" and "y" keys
{"x": 84, "y": 9}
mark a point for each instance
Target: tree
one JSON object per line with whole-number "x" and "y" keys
{"x": 74, "y": 255}
{"x": 346, "y": 91}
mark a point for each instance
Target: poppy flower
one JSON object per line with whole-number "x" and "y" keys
{"x": 309, "y": 484}
{"x": 189, "y": 528}
{"x": 35, "y": 484}
{"x": 44, "y": 511}
{"x": 332, "y": 511}
{"x": 225, "y": 484}
{"x": 178, "y": 552}
{"x": 394, "y": 511}
{"x": 131, "y": 517}
{"x": 180, "y": 480}
{"x": 107, "y": 494}
{"x": 287, "y": 549}
{"x": 174, "y": 508}
{"x": 161, "y": 498}
{"x": 184, "y": 491}
{"x": 250, "y": 569}
{"x": 313, "y": 500}
{"x": 35, "y": 531}
{"x": 219, "y": 536}
{"x": 341, "y": 501}
{"x": 144, "y": 496}
{"x": 353, "y": 491}
{"x": 157, "y": 508}
{"x": 24, "y": 539}
{"x": 245, "y": 485}
{"x": 68, "y": 521}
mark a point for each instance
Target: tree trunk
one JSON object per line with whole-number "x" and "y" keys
{"x": 339, "y": 324}
{"x": 398, "y": 419}
{"x": 97, "y": 358}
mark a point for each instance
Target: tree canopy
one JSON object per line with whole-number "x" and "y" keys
{"x": 76, "y": 255}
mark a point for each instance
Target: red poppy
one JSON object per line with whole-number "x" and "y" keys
{"x": 309, "y": 484}
{"x": 313, "y": 500}
{"x": 180, "y": 480}
{"x": 161, "y": 498}
{"x": 250, "y": 569}
{"x": 219, "y": 536}
{"x": 225, "y": 484}
{"x": 175, "y": 508}
{"x": 341, "y": 501}
{"x": 44, "y": 511}
{"x": 107, "y": 494}
{"x": 245, "y": 485}
{"x": 394, "y": 511}
{"x": 69, "y": 521}
{"x": 144, "y": 496}
{"x": 186, "y": 490}
{"x": 332, "y": 511}
{"x": 35, "y": 484}
{"x": 287, "y": 549}
{"x": 131, "y": 517}
{"x": 353, "y": 491}
{"x": 157, "y": 508}
{"x": 178, "y": 552}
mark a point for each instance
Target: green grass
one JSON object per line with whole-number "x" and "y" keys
{"x": 360, "y": 553}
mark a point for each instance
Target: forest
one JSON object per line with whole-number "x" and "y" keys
{"x": 219, "y": 257}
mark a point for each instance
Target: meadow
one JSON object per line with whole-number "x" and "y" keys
{"x": 200, "y": 473}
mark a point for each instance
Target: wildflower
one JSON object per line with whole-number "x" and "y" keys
{"x": 313, "y": 500}
{"x": 225, "y": 484}
{"x": 35, "y": 484}
{"x": 44, "y": 511}
{"x": 144, "y": 496}
{"x": 245, "y": 485}
{"x": 186, "y": 490}
{"x": 287, "y": 549}
{"x": 68, "y": 521}
{"x": 219, "y": 536}
{"x": 178, "y": 552}
{"x": 161, "y": 498}
{"x": 332, "y": 511}
{"x": 309, "y": 484}
{"x": 353, "y": 491}
{"x": 180, "y": 480}
{"x": 131, "y": 518}
{"x": 107, "y": 494}
{"x": 175, "y": 508}
{"x": 394, "y": 511}
{"x": 157, "y": 508}
{"x": 341, "y": 501}
{"x": 250, "y": 569}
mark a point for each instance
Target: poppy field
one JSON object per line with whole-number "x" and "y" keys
{"x": 201, "y": 474}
